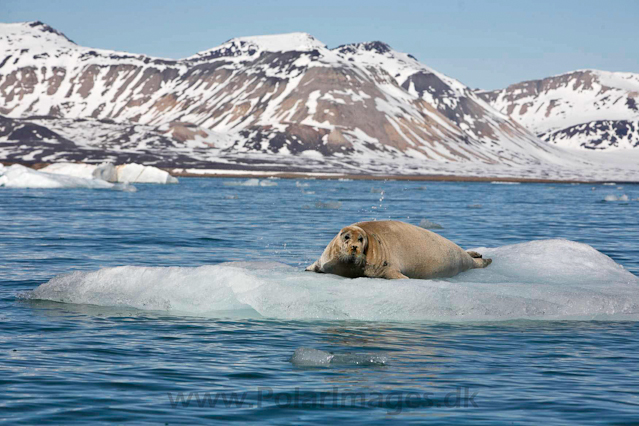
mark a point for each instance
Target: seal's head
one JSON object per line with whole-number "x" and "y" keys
{"x": 352, "y": 243}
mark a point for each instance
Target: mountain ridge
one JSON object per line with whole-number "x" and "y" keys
{"x": 249, "y": 101}
{"x": 570, "y": 109}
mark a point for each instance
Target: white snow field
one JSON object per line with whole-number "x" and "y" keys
{"x": 548, "y": 279}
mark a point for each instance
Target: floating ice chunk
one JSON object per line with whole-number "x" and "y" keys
{"x": 251, "y": 182}
{"x": 106, "y": 171}
{"x": 330, "y": 205}
{"x": 609, "y": 184}
{"x": 427, "y": 224}
{"x": 18, "y": 176}
{"x": 80, "y": 170}
{"x": 301, "y": 185}
{"x": 309, "y": 357}
{"x": 137, "y": 173}
{"x": 549, "y": 279}
{"x": 611, "y": 198}
{"x": 126, "y": 173}
{"x": 504, "y": 183}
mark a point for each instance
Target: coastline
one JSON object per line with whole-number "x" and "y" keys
{"x": 336, "y": 176}
{"x": 266, "y": 174}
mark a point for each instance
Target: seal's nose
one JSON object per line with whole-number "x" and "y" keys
{"x": 353, "y": 248}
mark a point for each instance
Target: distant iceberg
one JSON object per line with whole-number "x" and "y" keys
{"x": 137, "y": 173}
{"x": 18, "y": 176}
{"x": 126, "y": 173}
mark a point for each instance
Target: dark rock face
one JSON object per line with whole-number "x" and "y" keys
{"x": 41, "y": 26}
{"x": 599, "y": 135}
{"x": 428, "y": 82}
{"x": 372, "y": 46}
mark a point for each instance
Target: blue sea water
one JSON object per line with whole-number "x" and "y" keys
{"x": 140, "y": 344}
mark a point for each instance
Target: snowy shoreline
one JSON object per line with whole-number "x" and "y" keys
{"x": 264, "y": 174}
{"x": 211, "y": 173}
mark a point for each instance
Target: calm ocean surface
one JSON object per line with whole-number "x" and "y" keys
{"x": 155, "y": 355}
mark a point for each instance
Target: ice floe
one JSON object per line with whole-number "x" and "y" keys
{"x": 547, "y": 279}
{"x": 612, "y": 197}
{"x": 125, "y": 173}
{"x": 251, "y": 182}
{"x": 137, "y": 173}
{"x": 17, "y": 176}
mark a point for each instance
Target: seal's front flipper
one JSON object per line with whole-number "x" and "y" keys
{"x": 474, "y": 254}
{"x": 313, "y": 268}
{"x": 394, "y": 275}
{"x": 481, "y": 263}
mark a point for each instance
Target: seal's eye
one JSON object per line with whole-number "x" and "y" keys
{"x": 360, "y": 239}
{"x": 346, "y": 237}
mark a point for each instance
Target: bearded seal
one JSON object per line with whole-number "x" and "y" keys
{"x": 393, "y": 250}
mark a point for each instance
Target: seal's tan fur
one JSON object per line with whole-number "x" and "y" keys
{"x": 392, "y": 249}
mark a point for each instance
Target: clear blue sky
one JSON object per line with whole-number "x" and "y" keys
{"x": 487, "y": 44}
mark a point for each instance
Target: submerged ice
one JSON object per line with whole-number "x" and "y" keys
{"x": 309, "y": 357}
{"x": 251, "y": 182}
{"x": 548, "y": 279}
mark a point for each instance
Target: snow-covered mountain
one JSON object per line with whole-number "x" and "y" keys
{"x": 273, "y": 101}
{"x": 586, "y": 109}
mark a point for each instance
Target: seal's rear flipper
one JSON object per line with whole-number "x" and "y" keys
{"x": 481, "y": 263}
